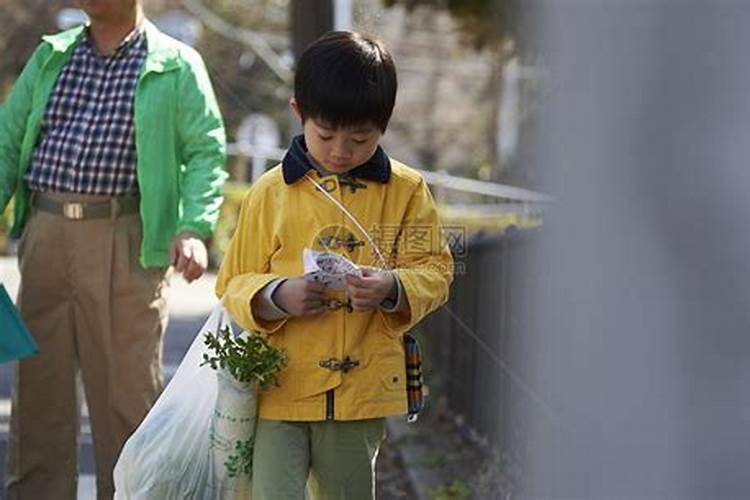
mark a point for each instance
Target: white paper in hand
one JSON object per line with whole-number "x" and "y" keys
{"x": 328, "y": 268}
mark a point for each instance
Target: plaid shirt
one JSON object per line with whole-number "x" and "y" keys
{"x": 87, "y": 137}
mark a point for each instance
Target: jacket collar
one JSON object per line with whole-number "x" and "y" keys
{"x": 296, "y": 163}
{"x": 63, "y": 41}
{"x": 163, "y": 50}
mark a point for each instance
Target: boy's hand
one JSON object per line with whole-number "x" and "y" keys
{"x": 300, "y": 297}
{"x": 371, "y": 289}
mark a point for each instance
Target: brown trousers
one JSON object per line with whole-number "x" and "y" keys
{"x": 97, "y": 316}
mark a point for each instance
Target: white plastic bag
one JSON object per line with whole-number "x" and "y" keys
{"x": 180, "y": 449}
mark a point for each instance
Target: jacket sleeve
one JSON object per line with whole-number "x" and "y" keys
{"x": 245, "y": 269}
{"x": 203, "y": 149}
{"x": 14, "y": 114}
{"x": 424, "y": 264}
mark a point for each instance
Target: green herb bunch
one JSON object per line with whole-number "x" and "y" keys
{"x": 249, "y": 360}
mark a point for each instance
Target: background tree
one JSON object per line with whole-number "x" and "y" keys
{"x": 22, "y": 22}
{"x": 484, "y": 22}
{"x": 503, "y": 28}
{"x": 244, "y": 82}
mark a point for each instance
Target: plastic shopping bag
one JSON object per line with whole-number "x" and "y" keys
{"x": 184, "y": 447}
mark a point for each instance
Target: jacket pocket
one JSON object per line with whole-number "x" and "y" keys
{"x": 393, "y": 378}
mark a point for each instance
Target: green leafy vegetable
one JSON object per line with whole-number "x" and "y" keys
{"x": 249, "y": 359}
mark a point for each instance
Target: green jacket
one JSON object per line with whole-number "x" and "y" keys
{"x": 179, "y": 136}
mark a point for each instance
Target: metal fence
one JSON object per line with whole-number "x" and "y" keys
{"x": 469, "y": 344}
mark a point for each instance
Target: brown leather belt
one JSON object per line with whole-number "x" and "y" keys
{"x": 80, "y": 210}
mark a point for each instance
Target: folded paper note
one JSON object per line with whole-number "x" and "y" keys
{"x": 328, "y": 268}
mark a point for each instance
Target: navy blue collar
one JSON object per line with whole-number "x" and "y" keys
{"x": 296, "y": 163}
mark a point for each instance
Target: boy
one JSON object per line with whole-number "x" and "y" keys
{"x": 346, "y": 368}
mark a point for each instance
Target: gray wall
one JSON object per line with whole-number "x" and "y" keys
{"x": 637, "y": 328}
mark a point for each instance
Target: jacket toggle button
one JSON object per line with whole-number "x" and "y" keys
{"x": 335, "y": 364}
{"x": 335, "y": 304}
{"x": 351, "y": 181}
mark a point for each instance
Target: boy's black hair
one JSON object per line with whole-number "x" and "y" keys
{"x": 345, "y": 79}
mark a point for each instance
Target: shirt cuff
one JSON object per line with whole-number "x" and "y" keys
{"x": 394, "y": 302}
{"x": 265, "y": 307}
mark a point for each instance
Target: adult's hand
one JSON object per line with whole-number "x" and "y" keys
{"x": 299, "y": 297}
{"x": 189, "y": 256}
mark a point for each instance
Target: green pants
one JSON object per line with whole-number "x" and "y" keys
{"x": 335, "y": 458}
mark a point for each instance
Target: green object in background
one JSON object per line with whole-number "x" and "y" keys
{"x": 15, "y": 340}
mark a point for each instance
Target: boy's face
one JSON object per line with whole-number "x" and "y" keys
{"x": 339, "y": 150}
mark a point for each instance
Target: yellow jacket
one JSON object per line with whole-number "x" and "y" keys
{"x": 283, "y": 214}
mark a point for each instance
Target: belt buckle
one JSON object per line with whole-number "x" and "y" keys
{"x": 73, "y": 211}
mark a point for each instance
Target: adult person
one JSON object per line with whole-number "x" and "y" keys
{"x": 112, "y": 147}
